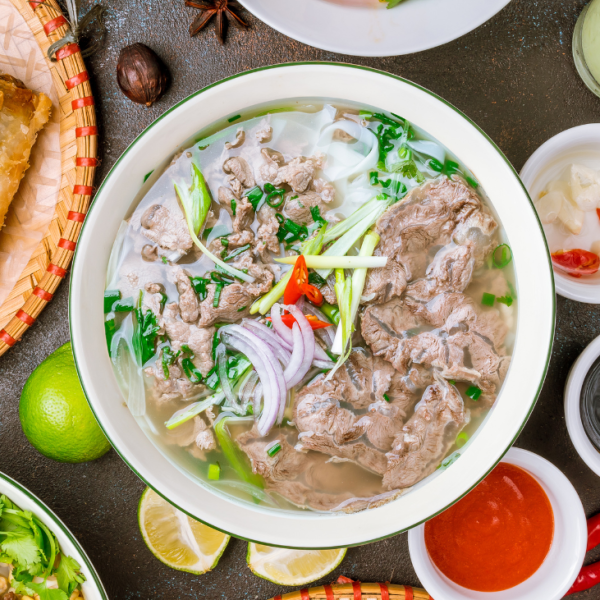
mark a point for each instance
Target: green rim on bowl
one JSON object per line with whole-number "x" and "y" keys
{"x": 551, "y": 307}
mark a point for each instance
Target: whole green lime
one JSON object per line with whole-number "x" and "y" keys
{"x": 55, "y": 415}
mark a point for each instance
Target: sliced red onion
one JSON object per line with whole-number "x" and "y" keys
{"x": 308, "y": 338}
{"x": 283, "y": 331}
{"x": 293, "y": 375}
{"x": 270, "y": 373}
{"x": 269, "y": 337}
{"x": 222, "y": 371}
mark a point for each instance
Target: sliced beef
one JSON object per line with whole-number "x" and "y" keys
{"x": 236, "y": 299}
{"x": 240, "y": 138}
{"x": 166, "y": 229}
{"x": 154, "y": 298}
{"x": 450, "y": 271}
{"x": 297, "y": 206}
{"x": 426, "y": 437}
{"x": 355, "y": 414}
{"x": 267, "y": 231}
{"x": 264, "y": 134}
{"x": 384, "y": 283}
{"x": 174, "y": 387}
{"x": 450, "y": 334}
{"x": 198, "y": 339}
{"x": 298, "y": 173}
{"x": 241, "y": 176}
{"x": 196, "y": 435}
{"x": 188, "y": 301}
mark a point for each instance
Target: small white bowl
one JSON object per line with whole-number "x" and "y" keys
{"x": 540, "y": 169}
{"x": 92, "y": 588}
{"x": 560, "y": 568}
{"x": 577, "y": 374}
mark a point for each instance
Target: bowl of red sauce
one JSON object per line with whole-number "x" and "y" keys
{"x": 520, "y": 535}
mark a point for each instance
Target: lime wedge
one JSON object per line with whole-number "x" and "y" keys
{"x": 292, "y": 567}
{"x": 177, "y": 540}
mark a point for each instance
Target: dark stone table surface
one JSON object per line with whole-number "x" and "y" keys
{"x": 514, "y": 76}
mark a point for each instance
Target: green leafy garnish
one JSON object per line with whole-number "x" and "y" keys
{"x": 145, "y": 331}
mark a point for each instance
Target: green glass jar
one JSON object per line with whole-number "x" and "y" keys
{"x": 586, "y": 46}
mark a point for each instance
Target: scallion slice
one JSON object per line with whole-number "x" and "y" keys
{"x": 501, "y": 256}
{"x": 473, "y": 392}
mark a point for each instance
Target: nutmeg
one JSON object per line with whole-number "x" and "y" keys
{"x": 141, "y": 75}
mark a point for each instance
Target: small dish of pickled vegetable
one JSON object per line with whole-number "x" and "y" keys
{"x": 563, "y": 180}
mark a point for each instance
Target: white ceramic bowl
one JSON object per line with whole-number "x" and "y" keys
{"x": 577, "y": 374}
{"x": 562, "y": 565}
{"x": 92, "y": 588}
{"x": 543, "y": 166}
{"x": 534, "y": 280}
{"x": 412, "y": 26}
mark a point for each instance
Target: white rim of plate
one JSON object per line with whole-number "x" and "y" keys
{"x": 374, "y": 31}
{"x": 585, "y": 448}
{"x": 303, "y": 529}
{"x": 566, "y": 286}
{"x": 560, "y": 567}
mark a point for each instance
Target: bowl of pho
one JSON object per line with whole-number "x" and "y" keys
{"x": 286, "y": 310}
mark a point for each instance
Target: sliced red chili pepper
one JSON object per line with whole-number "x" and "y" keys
{"x": 598, "y": 212}
{"x": 293, "y": 290}
{"x": 315, "y": 323}
{"x": 313, "y": 294}
{"x": 576, "y": 262}
{"x": 593, "y": 527}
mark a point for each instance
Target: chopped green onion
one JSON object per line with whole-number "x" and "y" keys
{"x": 472, "y": 182}
{"x": 386, "y": 398}
{"x": 449, "y": 460}
{"x": 237, "y": 459}
{"x": 274, "y": 449}
{"x": 109, "y": 331}
{"x": 276, "y": 194}
{"x": 331, "y": 311}
{"x": 435, "y": 165}
{"x": 374, "y": 177}
{"x": 237, "y": 252}
{"x": 451, "y": 382}
{"x": 461, "y": 439}
{"x": 214, "y": 471}
{"x": 235, "y": 118}
{"x": 125, "y": 305}
{"x": 187, "y": 349}
{"x": 199, "y": 285}
{"x": 233, "y": 206}
{"x": 147, "y": 175}
{"x": 501, "y": 256}
{"x": 242, "y": 308}
{"x": 290, "y": 232}
{"x": 405, "y": 152}
{"x": 168, "y": 358}
{"x": 488, "y": 299}
{"x": 145, "y": 332}
{"x": 343, "y": 291}
{"x": 473, "y": 392}
{"x": 190, "y": 370}
{"x": 212, "y": 379}
{"x": 163, "y": 300}
{"x": 255, "y": 195}
{"x": 218, "y": 289}
{"x": 508, "y": 300}
{"x": 451, "y": 167}
{"x": 315, "y": 279}
{"x": 316, "y": 215}
{"x": 164, "y": 260}
{"x": 385, "y": 119}
{"x": 110, "y": 297}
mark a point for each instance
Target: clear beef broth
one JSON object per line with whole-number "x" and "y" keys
{"x": 371, "y": 448}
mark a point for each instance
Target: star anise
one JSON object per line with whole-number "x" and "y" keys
{"x": 209, "y": 8}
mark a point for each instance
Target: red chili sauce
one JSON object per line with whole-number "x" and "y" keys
{"x": 495, "y": 537}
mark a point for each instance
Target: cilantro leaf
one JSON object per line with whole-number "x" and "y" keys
{"x": 47, "y": 594}
{"x": 68, "y": 573}
{"x": 392, "y": 3}
{"x": 21, "y": 547}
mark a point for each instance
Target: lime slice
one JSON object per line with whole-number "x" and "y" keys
{"x": 177, "y": 540}
{"x": 286, "y": 566}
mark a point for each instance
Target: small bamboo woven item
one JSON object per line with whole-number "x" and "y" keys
{"x": 354, "y": 590}
{"x": 78, "y": 140}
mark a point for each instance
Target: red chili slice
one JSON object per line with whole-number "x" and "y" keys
{"x": 576, "y": 262}
{"x": 315, "y": 323}
{"x": 293, "y": 290}
{"x": 313, "y": 294}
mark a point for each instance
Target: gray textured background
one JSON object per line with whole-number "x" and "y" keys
{"x": 514, "y": 76}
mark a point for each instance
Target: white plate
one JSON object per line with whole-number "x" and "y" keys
{"x": 234, "y": 96}
{"x": 92, "y": 588}
{"x": 579, "y": 437}
{"x": 560, "y": 568}
{"x": 410, "y": 27}
{"x": 542, "y": 167}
